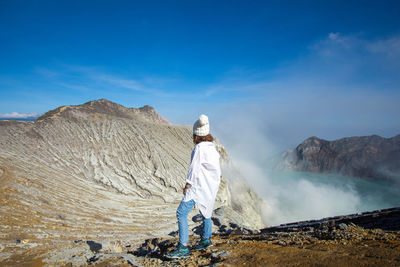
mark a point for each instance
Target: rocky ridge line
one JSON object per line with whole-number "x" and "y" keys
{"x": 106, "y": 107}
{"x": 364, "y": 156}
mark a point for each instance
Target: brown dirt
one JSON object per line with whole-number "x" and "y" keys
{"x": 258, "y": 253}
{"x": 355, "y": 246}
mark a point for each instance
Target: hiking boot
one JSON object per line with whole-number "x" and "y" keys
{"x": 181, "y": 252}
{"x": 203, "y": 244}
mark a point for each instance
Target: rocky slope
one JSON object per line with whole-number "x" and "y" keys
{"x": 98, "y": 172}
{"x": 365, "y": 156}
{"x": 365, "y": 239}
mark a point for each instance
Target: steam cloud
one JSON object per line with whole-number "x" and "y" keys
{"x": 287, "y": 198}
{"x": 345, "y": 85}
{"x": 291, "y": 196}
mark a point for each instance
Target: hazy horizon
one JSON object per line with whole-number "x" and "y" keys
{"x": 254, "y": 127}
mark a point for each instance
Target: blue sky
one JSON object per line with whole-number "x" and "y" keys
{"x": 291, "y": 69}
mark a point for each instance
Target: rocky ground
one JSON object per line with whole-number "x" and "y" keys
{"x": 349, "y": 246}
{"x": 352, "y": 240}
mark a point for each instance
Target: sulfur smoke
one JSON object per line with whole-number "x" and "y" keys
{"x": 291, "y": 196}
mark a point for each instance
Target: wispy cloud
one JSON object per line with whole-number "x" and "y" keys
{"x": 123, "y": 83}
{"x": 342, "y": 85}
{"x": 16, "y": 115}
{"x": 345, "y": 85}
{"x": 333, "y": 36}
{"x": 84, "y": 78}
{"x": 340, "y": 63}
{"x": 138, "y": 85}
{"x": 389, "y": 47}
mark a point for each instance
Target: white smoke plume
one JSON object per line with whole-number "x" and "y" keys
{"x": 344, "y": 86}
{"x": 291, "y": 196}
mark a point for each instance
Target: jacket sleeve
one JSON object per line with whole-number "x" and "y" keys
{"x": 194, "y": 167}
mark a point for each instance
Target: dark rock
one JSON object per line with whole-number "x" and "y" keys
{"x": 94, "y": 247}
{"x": 198, "y": 230}
{"x": 386, "y": 219}
{"x": 173, "y": 233}
{"x": 281, "y": 243}
{"x": 343, "y": 226}
{"x": 227, "y": 232}
{"x": 153, "y": 248}
{"x": 234, "y": 226}
{"x": 197, "y": 218}
{"x": 146, "y": 248}
{"x": 216, "y": 256}
{"x": 245, "y": 231}
{"x": 164, "y": 245}
{"x": 223, "y": 253}
{"x": 219, "y": 212}
{"x": 216, "y": 221}
{"x": 222, "y": 228}
{"x": 324, "y": 228}
{"x": 93, "y": 259}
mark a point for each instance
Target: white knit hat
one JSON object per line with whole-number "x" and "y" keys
{"x": 201, "y": 127}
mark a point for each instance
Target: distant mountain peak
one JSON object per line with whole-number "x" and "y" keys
{"x": 313, "y": 140}
{"x": 361, "y": 156}
{"x": 147, "y": 108}
{"x": 105, "y": 107}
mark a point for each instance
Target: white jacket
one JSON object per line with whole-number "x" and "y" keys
{"x": 204, "y": 176}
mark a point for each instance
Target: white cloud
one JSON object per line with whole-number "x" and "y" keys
{"x": 120, "y": 82}
{"x": 333, "y": 36}
{"x": 17, "y": 115}
{"x": 92, "y": 80}
{"x": 343, "y": 87}
{"x": 389, "y": 47}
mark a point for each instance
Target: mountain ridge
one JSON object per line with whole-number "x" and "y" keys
{"x": 360, "y": 156}
{"x": 107, "y": 108}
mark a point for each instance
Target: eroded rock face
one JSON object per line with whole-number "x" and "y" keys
{"x": 101, "y": 172}
{"x": 365, "y": 156}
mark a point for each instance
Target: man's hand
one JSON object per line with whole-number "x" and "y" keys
{"x": 186, "y": 188}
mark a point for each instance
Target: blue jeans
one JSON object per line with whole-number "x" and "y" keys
{"x": 182, "y": 213}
